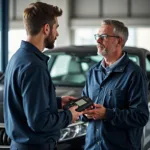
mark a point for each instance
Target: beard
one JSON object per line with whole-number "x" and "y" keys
{"x": 49, "y": 41}
{"x": 101, "y": 50}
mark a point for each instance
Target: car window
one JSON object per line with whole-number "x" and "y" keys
{"x": 134, "y": 58}
{"x": 148, "y": 63}
{"x": 147, "y": 60}
{"x": 71, "y": 70}
{"x": 60, "y": 66}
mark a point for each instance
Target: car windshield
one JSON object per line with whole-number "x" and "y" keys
{"x": 70, "y": 70}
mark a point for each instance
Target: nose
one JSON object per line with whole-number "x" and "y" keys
{"x": 57, "y": 34}
{"x": 99, "y": 40}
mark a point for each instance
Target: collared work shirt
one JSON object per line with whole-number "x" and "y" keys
{"x": 123, "y": 92}
{"x": 30, "y": 104}
{"x": 108, "y": 69}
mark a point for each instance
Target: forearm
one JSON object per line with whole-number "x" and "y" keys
{"x": 128, "y": 118}
{"x": 49, "y": 122}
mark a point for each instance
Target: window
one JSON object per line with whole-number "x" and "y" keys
{"x": 138, "y": 36}
{"x": 143, "y": 36}
{"x": 148, "y": 63}
{"x": 60, "y": 66}
{"x": 148, "y": 66}
{"x": 135, "y": 59}
{"x": 14, "y": 40}
{"x": 71, "y": 70}
{"x": 85, "y": 36}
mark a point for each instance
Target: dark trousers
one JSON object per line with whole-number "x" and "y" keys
{"x": 18, "y": 146}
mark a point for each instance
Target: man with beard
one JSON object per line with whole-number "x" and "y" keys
{"x": 118, "y": 88}
{"x": 31, "y": 116}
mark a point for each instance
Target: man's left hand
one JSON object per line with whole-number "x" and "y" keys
{"x": 99, "y": 112}
{"x": 66, "y": 99}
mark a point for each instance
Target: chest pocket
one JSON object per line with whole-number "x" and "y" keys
{"x": 119, "y": 99}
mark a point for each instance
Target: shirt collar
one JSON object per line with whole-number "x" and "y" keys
{"x": 118, "y": 66}
{"x": 114, "y": 64}
{"x": 30, "y": 47}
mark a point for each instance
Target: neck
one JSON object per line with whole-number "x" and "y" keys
{"x": 37, "y": 41}
{"x": 112, "y": 59}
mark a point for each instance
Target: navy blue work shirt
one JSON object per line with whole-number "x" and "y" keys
{"x": 123, "y": 92}
{"x": 30, "y": 105}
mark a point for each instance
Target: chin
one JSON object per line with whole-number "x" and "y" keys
{"x": 99, "y": 51}
{"x": 50, "y": 46}
{"x": 103, "y": 53}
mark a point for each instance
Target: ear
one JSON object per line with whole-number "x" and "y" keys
{"x": 120, "y": 41}
{"x": 46, "y": 29}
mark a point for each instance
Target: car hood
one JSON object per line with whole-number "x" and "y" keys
{"x": 72, "y": 91}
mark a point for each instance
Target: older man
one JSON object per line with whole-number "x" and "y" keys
{"x": 118, "y": 88}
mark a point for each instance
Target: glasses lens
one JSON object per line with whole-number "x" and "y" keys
{"x": 97, "y": 36}
{"x": 104, "y": 36}
{"x": 100, "y": 36}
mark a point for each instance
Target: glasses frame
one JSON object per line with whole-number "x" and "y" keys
{"x": 103, "y": 36}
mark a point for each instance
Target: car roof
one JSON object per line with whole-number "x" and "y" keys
{"x": 92, "y": 49}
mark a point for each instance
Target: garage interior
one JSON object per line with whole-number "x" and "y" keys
{"x": 79, "y": 22}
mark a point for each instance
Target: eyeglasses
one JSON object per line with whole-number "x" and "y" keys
{"x": 103, "y": 36}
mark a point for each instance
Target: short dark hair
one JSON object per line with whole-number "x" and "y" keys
{"x": 38, "y": 14}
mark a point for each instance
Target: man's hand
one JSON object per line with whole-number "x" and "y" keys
{"x": 66, "y": 99}
{"x": 89, "y": 116}
{"x": 75, "y": 114}
{"x": 99, "y": 112}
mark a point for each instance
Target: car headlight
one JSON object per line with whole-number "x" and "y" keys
{"x": 74, "y": 130}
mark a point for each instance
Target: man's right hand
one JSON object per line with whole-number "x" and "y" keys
{"x": 75, "y": 114}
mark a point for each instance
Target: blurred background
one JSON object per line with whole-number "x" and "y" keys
{"x": 80, "y": 21}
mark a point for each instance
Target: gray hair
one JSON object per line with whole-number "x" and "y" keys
{"x": 119, "y": 29}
